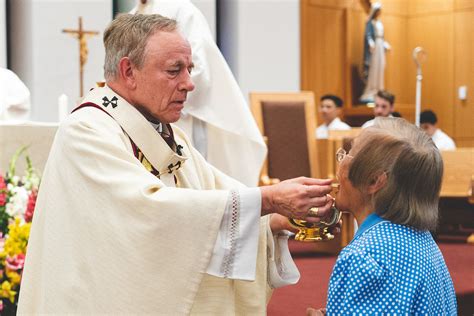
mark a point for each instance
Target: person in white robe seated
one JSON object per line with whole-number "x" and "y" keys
{"x": 14, "y": 97}
{"x": 330, "y": 109}
{"x": 429, "y": 123}
{"x": 217, "y": 117}
{"x": 131, "y": 219}
{"x": 384, "y": 106}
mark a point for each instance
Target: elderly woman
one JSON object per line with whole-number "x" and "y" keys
{"x": 390, "y": 181}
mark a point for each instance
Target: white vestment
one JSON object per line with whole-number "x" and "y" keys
{"x": 443, "y": 141}
{"x": 322, "y": 132}
{"x": 231, "y": 140}
{"x": 110, "y": 237}
{"x": 14, "y": 97}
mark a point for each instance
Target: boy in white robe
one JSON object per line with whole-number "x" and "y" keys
{"x": 429, "y": 123}
{"x": 130, "y": 218}
{"x": 330, "y": 110}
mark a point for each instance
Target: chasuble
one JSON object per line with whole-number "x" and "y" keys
{"x": 109, "y": 236}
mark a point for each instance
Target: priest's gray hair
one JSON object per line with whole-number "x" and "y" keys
{"x": 414, "y": 170}
{"x": 127, "y": 36}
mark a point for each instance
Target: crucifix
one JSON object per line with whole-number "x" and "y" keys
{"x": 82, "y": 36}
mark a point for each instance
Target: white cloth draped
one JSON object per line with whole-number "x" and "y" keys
{"x": 14, "y": 97}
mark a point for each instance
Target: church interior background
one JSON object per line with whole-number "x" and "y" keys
{"x": 302, "y": 45}
{"x": 271, "y": 46}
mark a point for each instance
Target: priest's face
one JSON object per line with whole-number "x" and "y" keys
{"x": 164, "y": 80}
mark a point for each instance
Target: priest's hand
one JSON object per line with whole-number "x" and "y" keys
{"x": 295, "y": 197}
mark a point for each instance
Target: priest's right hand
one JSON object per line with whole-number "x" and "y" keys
{"x": 295, "y": 197}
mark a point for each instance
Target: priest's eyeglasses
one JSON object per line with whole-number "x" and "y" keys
{"x": 341, "y": 153}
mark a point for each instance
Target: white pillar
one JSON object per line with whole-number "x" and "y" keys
{"x": 260, "y": 40}
{"x": 46, "y": 59}
{"x": 3, "y": 34}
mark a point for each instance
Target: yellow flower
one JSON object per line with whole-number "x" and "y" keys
{"x": 14, "y": 277}
{"x": 6, "y": 291}
{"x": 17, "y": 238}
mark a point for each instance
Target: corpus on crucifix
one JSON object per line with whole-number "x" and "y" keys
{"x": 82, "y": 36}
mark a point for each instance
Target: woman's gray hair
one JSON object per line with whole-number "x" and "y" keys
{"x": 414, "y": 169}
{"x": 127, "y": 36}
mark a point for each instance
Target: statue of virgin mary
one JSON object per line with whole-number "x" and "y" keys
{"x": 374, "y": 54}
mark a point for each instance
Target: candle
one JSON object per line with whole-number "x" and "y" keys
{"x": 62, "y": 107}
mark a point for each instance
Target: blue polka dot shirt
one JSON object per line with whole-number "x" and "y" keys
{"x": 389, "y": 268}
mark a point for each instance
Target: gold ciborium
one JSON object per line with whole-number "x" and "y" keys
{"x": 319, "y": 231}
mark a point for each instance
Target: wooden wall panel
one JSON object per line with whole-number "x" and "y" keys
{"x": 435, "y": 34}
{"x": 323, "y": 50}
{"x": 335, "y": 4}
{"x": 395, "y": 7}
{"x": 463, "y": 4}
{"x": 465, "y": 142}
{"x": 429, "y": 7}
{"x": 464, "y": 73}
{"x": 396, "y": 33}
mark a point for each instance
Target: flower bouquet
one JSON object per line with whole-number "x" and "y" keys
{"x": 17, "y": 204}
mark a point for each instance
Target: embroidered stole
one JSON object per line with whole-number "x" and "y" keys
{"x": 150, "y": 148}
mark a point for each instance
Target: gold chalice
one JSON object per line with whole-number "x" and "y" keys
{"x": 319, "y": 231}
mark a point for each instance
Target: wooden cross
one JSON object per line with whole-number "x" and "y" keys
{"x": 82, "y": 36}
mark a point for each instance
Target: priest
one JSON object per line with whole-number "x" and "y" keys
{"x": 216, "y": 118}
{"x": 131, "y": 219}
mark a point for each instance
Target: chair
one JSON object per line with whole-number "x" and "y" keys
{"x": 288, "y": 121}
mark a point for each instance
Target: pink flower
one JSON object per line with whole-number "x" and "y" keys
{"x": 30, "y": 208}
{"x": 3, "y": 199}
{"x": 1, "y": 305}
{"x": 3, "y": 191}
{"x": 15, "y": 263}
{"x": 3, "y": 185}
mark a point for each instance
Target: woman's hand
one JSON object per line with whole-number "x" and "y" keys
{"x": 279, "y": 222}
